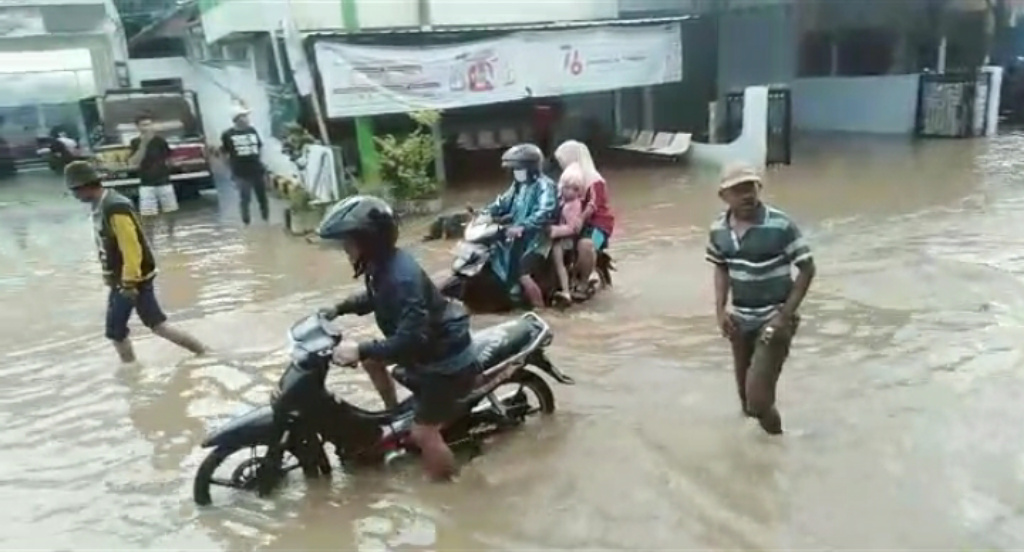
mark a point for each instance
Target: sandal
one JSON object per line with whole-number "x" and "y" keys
{"x": 561, "y": 300}
{"x": 580, "y": 293}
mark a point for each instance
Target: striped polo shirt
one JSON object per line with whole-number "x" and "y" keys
{"x": 760, "y": 264}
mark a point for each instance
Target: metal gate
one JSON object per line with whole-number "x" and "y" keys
{"x": 780, "y": 123}
{"x": 953, "y": 105}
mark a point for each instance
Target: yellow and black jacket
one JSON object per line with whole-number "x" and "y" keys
{"x": 124, "y": 252}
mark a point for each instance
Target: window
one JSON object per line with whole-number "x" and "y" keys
{"x": 865, "y": 52}
{"x": 235, "y": 51}
{"x": 162, "y": 83}
{"x": 816, "y": 54}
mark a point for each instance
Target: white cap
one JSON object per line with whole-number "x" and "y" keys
{"x": 237, "y": 109}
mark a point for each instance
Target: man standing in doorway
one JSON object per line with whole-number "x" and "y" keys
{"x": 243, "y": 146}
{"x": 754, "y": 248}
{"x": 149, "y": 154}
{"x": 128, "y": 264}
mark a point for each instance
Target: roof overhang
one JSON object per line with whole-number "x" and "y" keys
{"x": 539, "y": 26}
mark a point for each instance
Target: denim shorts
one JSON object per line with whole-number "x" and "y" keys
{"x": 597, "y": 236}
{"x": 120, "y": 308}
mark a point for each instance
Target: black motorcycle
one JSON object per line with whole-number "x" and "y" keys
{"x": 303, "y": 415}
{"x": 474, "y": 282}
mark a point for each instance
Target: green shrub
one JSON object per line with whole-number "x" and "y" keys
{"x": 407, "y": 163}
{"x": 295, "y": 140}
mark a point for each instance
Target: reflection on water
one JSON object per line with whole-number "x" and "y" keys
{"x": 900, "y": 398}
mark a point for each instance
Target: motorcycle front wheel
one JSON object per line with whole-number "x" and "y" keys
{"x": 260, "y": 472}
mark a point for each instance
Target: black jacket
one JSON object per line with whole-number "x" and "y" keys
{"x": 422, "y": 329}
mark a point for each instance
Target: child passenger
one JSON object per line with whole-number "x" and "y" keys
{"x": 564, "y": 234}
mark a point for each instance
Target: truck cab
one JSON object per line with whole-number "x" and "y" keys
{"x": 175, "y": 112}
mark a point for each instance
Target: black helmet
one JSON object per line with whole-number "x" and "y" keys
{"x": 368, "y": 220}
{"x": 523, "y": 156}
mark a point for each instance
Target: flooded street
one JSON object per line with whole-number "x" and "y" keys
{"x": 900, "y": 399}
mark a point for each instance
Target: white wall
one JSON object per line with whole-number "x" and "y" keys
{"x": 878, "y": 105}
{"x": 217, "y": 89}
{"x": 475, "y": 12}
{"x": 236, "y": 16}
{"x": 757, "y": 47}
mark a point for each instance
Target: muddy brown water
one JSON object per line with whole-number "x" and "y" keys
{"x": 901, "y": 400}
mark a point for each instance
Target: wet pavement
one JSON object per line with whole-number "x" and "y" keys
{"x": 900, "y": 400}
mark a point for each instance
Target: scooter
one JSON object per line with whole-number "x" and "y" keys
{"x": 302, "y": 415}
{"x": 474, "y": 282}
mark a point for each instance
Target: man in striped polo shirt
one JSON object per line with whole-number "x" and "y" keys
{"x": 754, "y": 248}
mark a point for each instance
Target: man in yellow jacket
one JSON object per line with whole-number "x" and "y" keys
{"x": 128, "y": 264}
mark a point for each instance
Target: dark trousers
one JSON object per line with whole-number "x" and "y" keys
{"x": 120, "y": 308}
{"x": 247, "y": 186}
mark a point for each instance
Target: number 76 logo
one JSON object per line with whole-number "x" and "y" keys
{"x": 572, "y": 62}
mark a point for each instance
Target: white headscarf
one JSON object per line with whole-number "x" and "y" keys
{"x": 572, "y": 176}
{"x": 572, "y": 151}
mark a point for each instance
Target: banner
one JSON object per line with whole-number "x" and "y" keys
{"x": 373, "y": 80}
{"x": 601, "y": 58}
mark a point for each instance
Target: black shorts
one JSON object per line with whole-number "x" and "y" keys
{"x": 530, "y": 264}
{"x": 438, "y": 396}
{"x": 120, "y": 308}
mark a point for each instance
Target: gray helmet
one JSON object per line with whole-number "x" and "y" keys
{"x": 523, "y": 156}
{"x": 80, "y": 173}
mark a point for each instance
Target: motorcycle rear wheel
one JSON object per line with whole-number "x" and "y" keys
{"x": 529, "y": 381}
{"x": 516, "y": 403}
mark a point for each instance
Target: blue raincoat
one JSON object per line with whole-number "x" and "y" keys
{"x": 534, "y": 206}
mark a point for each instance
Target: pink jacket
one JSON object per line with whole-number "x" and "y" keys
{"x": 571, "y": 220}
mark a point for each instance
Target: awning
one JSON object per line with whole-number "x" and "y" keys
{"x": 541, "y": 26}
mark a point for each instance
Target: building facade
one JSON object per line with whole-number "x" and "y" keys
{"x": 41, "y": 25}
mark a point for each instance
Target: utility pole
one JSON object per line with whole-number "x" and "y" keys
{"x": 368, "y": 159}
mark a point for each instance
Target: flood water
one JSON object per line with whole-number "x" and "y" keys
{"x": 901, "y": 399}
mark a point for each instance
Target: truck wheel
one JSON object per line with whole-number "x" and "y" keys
{"x": 186, "y": 193}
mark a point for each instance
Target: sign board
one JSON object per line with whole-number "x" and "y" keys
{"x": 602, "y": 58}
{"x": 374, "y": 80}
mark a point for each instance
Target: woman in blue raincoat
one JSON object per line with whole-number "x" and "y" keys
{"x": 529, "y": 206}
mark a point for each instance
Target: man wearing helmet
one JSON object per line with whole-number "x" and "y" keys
{"x": 531, "y": 203}
{"x": 423, "y": 331}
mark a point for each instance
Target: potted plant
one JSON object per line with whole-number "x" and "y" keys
{"x": 407, "y": 166}
{"x": 302, "y": 215}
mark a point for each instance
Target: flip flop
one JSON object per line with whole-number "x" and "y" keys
{"x": 561, "y": 300}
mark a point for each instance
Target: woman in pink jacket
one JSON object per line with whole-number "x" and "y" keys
{"x": 564, "y": 234}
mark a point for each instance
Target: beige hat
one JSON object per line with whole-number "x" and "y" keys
{"x": 738, "y": 173}
{"x": 238, "y": 110}
{"x": 80, "y": 173}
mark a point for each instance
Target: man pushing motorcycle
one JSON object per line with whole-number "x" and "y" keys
{"x": 530, "y": 205}
{"x": 424, "y": 332}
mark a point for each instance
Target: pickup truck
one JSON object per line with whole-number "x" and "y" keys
{"x": 176, "y": 116}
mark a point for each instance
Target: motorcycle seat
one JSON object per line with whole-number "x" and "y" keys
{"x": 498, "y": 343}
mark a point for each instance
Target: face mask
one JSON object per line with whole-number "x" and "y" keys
{"x": 520, "y": 175}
